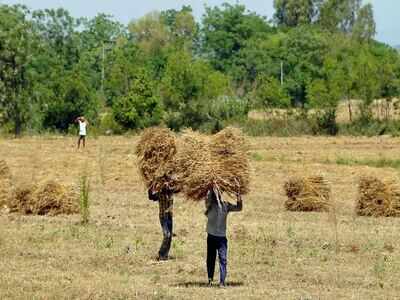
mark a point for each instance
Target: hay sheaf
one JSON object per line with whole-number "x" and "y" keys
{"x": 307, "y": 194}
{"x": 219, "y": 161}
{"x": 48, "y": 198}
{"x": 5, "y": 184}
{"x": 156, "y": 150}
{"x": 378, "y": 198}
{"x": 21, "y": 200}
{"x": 192, "y": 152}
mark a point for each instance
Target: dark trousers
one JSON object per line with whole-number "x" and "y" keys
{"x": 166, "y": 226}
{"x": 216, "y": 244}
{"x": 83, "y": 139}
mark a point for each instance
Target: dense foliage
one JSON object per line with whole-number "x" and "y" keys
{"x": 168, "y": 68}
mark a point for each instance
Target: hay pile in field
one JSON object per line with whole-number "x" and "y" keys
{"x": 307, "y": 194}
{"x": 378, "y": 198}
{"x": 219, "y": 161}
{"x": 49, "y": 198}
{"x": 156, "y": 150}
{"x": 21, "y": 200}
{"x": 5, "y": 184}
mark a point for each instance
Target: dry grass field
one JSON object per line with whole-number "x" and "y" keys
{"x": 273, "y": 254}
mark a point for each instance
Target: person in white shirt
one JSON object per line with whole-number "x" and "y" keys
{"x": 83, "y": 123}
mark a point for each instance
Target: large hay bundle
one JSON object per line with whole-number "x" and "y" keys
{"x": 5, "y": 184}
{"x": 378, "y": 198}
{"x": 156, "y": 150}
{"x": 49, "y": 198}
{"x": 220, "y": 161}
{"x": 192, "y": 152}
{"x": 307, "y": 194}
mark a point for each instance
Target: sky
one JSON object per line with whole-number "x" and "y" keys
{"x": 387, "y": 12}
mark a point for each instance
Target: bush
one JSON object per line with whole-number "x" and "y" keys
{"x": 140, "y": 108}
{"x": 325, "y": 123}
{"x": 108, "y": 124}
{"x": 228, "y": 108}
{"x": 277, "y": 127}
{"x": 361, "y": 127}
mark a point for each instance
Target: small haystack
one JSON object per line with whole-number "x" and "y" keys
{"x": 52, "y": 198}
{"x": 156, "y": 150}
{"x": 378, "y": 198}
{"x": 49, "y": 198}
{"x": 21, "y": 200}
{"x": 219, "y": 161}
{"x": 5, "y": 184}
{"x": 307, "y": 194}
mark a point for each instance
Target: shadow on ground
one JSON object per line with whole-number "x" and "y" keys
{"x": 203, "y": 284}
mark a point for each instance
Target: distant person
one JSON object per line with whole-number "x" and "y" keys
{"x": 217, "y": 211}
{"x": 166, "y": 203}
{"x": 83, "y": 123}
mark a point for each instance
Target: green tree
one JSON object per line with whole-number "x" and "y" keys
{"x": 74, "y": 97}
{"x": 150, "y": 33}
{"x": 141, "y": 107}
{"x": 365, "y": 28}
{"x": 59, "y": 30}
{"x": 182, "y": 26}
{"x": 292, "y": 13}
{"x": 339, "y": 14}
{"x": 303, "y": 51}
{"x": 18, "y": 44}
{"x": 269, "y": 93}
{"x": 187, "y": 88}
{"x": 225, "y": 32}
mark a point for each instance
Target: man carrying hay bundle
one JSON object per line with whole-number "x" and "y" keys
{"x": 166, "y": 204}
{"x": 209, "y": 167}
{"x": 156, "y": 150}
{"x": 217, "y": 211}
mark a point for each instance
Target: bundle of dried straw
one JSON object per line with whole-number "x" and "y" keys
{"x": 5, "y": 184}
{"x": 48, "y": 198}
{"x": 378, "y": 198}
{"x": 219, "y": 161}
{"x": 307, "y": 194}
{"x": 156, "y": 150}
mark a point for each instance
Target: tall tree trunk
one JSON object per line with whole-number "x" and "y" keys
{"x": 350, "y": 110}
{"x": 18, "y": 127}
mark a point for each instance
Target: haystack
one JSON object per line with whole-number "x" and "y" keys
{"x": 307, "y": 194}
{"x": 21, "y": 200}
{"x": 220, "y": 161}
{"x": 53, "y": 198}
{"x": 156, "y": 150}
{"x": 48, "y": 198}
{"x": 5, "y": 184}
{"x": 378, "y": 198}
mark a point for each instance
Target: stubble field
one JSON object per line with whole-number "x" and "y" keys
{"x": 273, "y": 254}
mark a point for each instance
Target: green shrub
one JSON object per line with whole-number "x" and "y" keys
{"x": 140, "y": 108}
{"x": 108, "y": 124}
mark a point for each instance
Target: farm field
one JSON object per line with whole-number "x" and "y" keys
{"x": 273, "y": 254}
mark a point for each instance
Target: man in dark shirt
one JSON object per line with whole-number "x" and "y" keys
{"x": 166, "y": 202}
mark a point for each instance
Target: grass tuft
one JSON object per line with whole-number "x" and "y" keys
{"x": 84, "y": 199}
{"x": 376, "y": 163}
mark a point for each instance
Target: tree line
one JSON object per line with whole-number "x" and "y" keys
{"x": 167, "y": 67}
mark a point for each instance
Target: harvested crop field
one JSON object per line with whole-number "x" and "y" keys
{"x": 273, "y": 253}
